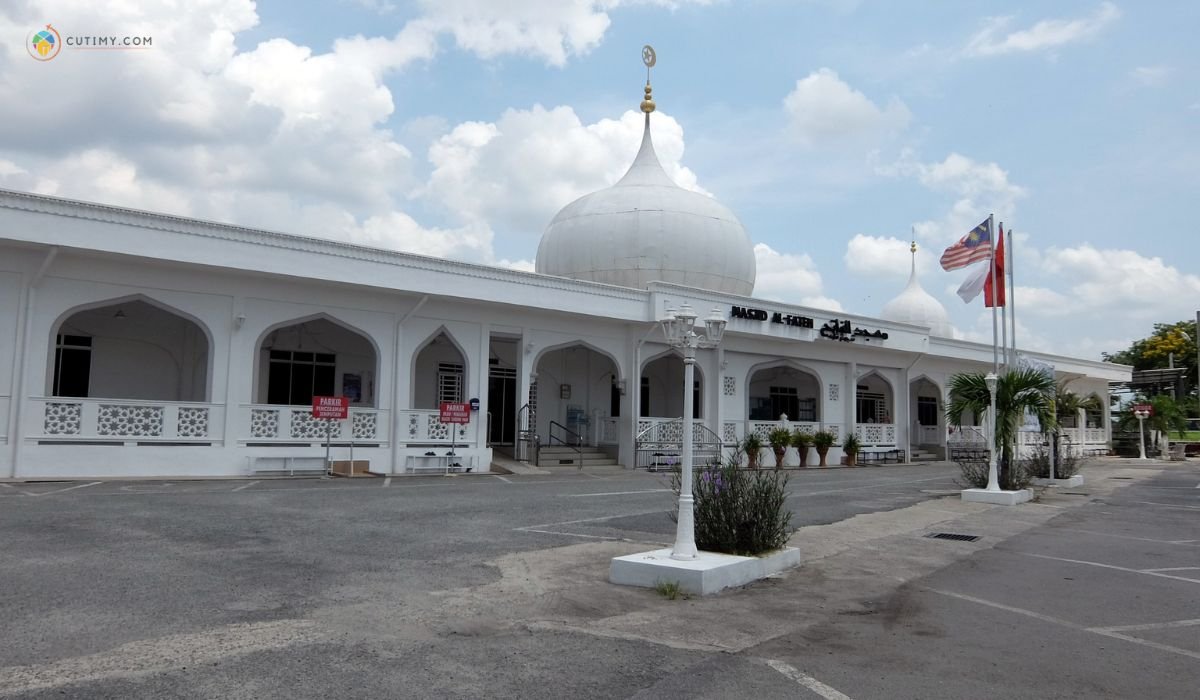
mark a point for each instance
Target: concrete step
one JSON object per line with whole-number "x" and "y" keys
{"x": 570, "y": 461}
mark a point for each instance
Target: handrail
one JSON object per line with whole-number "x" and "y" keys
{"x": 575, "y": 443}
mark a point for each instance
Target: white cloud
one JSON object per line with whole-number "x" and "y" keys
{"x": 519, "y": 171}
{"x": 790, "y": 278}
{"x": 886, "y": 256}
{"x": 1041, "y": 301}
{"x": 980, "y": 188}
{"x": 552, "y": 31}
{"x": 823, "y": 108}
{"x": 1123, "y": 282}
{"x": 1151, "y": 76}
{"x": 1046, "y": 34}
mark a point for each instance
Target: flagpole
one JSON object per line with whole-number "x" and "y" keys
{"x": 1011, "y": 293}
{"x": 1003, "y": 308}
{"x": 995, "y": 333}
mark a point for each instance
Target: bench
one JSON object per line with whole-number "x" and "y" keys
{"x": 445, "y": 464}
{"x": 884, "y": 455}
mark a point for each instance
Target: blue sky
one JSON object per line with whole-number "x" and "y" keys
{"x": 832, "y": 128}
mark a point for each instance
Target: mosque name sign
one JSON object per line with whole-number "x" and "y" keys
{"x": 842, "y": 331}
{"x": 777, "y": 317}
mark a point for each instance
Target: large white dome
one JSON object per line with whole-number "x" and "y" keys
{"x": 646, "y": 228}
{"x": 916, "y": 306}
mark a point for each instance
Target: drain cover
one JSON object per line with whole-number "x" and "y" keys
{"x": 952, "y": 536}
{"x": 1122, "y": 478}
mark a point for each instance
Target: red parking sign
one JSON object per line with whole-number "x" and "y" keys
{"x": 1148, "y": 408}
{"x": 455, "y": 412}
{"x": 335, "y": 407}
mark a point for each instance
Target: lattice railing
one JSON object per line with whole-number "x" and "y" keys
{"x": 125, "y": 420}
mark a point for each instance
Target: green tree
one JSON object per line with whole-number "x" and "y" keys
{"x": 1154, "y": 352}
{"x": 1168, "y": 416}
{"x": 1017, "y": 391}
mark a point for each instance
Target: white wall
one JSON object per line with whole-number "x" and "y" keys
{"x": 425, "y": 374}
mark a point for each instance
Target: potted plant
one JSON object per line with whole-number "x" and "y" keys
{"x": 851, "y": 446}
{"x": 802, "y": 440}
{"x": 823, "y": 440}
{"x": 752, "y": 446}
{"x": 780, "y": 439}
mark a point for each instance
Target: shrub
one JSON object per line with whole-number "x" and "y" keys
{"x": 739, "y": 512}
{"x": 975, "y": 475}
{"x": 851, "y": 445}
{"x": 752, "y": 446}
{"x": 1065, "y": 465}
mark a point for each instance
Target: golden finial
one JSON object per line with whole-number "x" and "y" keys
{"x": 649, "y": 58}
{"x": 913, "y": 247}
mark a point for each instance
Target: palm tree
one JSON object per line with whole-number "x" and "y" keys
{"x": 1017, "y": 391}
{"x": 1167, "y": 416}
{"x": 1068, "y": 404}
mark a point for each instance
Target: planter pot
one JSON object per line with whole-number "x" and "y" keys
{"x": 779, "y": 457}
{"x": 851, "y": 459}
{"x": 751, "y": 461}
{"x": 822, "y": 453}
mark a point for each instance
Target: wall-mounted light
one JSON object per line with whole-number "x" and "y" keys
{"x": 120, "y": 314}
{"x": 239, "y": 321}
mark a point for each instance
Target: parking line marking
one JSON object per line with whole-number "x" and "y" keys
{"x": 613, "y": 493}
{"x": 1108, "y": 566}
{"x": 593, "y": 476}
{"x": 1172, "y": 568}
{"x": 7, "y": 486}
{"x": 1169, "y": 505}
{"x": 590, "y": 520}
{"x": 1104, "y": 631}
{"x": 1150, "y": 626}
{"x": 807, "y": 681}
{"x": 69, "y": 488}
{"x": 246, "y": 486}
{"x": 501, "y": 478}
{"x": 387, "y": 481}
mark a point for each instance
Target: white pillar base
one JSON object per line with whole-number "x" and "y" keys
{"x": 999, "y": 498}
{"x": 708, "y": 573}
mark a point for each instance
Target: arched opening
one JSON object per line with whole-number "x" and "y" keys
{"x": 315, "y": 357}
{"x": 927, "y": 412}
{"x": 129, "y": 349}
{"x": 783, "y": 389}
{"x": 875, "y": 400}
{"x": 661, "y": 391}
{"x": 439, "y": 373}
{"x": 576, "y": 386}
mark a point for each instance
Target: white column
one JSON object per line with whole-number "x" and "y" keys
{"x": 481, "y": 387}
{"x": 849, "y": 394}
{"x": 685, "y": 535}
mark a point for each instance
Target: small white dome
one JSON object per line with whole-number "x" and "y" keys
{"x": 646, "y": 228}
{"x": 916, "y": 306}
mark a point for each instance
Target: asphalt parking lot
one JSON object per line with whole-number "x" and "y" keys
{"x": 481, "y": 585}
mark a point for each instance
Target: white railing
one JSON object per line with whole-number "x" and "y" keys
{"x": 424, "y": 427}
{"x": 1094, "y": 436}
{"x": 733, "y": 431}
{"x": 929, "y": 435}
{"x": 608, "y": 431}
{"x": 127, "y": 420}
{"x": 968, "y": 435}
{"x": 268, "y": 423}
{"x": 875, "y": 434}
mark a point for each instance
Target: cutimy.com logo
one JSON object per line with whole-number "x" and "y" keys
{"x": 44, "y": 44}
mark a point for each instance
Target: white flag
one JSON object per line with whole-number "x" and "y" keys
{"x": 973, "y": 285}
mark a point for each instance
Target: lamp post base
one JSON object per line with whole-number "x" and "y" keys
{"x": 999, "y": 498}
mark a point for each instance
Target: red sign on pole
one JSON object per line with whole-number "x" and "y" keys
{"x": 334, "y": 407}
{"x": 455, "y": 413}
{"x": 1148, "y": 408}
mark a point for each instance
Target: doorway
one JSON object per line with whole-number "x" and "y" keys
{"x": 502, "y": 393}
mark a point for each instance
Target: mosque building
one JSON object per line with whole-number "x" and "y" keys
{"x": 144, "y": 344}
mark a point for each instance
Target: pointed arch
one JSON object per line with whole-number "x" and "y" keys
{"x": 418, "y": 394}
{"x": 119, "y": 370}
{"x": 757, "y": 402}
{"x": 869, "y": 406}
{"x": 660, "y": 389}
{"x": 266, "y": 357}
{"x": 542, "y": 352}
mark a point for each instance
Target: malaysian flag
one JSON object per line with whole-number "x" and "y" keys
{"x": 973, "y": 247}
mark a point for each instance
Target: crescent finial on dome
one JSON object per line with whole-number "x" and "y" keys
{"x": 650, "y": 59}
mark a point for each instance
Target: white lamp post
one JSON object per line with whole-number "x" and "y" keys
{"x": 679, "y": 329}
{"x": 993, "y": 479}
{"x": 1141, "y": 416}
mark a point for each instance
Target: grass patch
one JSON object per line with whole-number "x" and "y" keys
{"x": 671, "y": 590}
